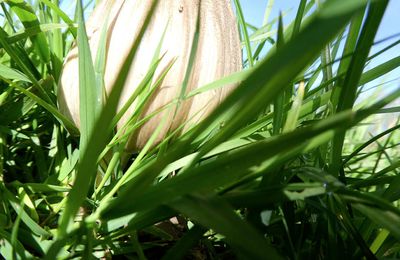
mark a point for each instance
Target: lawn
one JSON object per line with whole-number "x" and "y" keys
{"x": 297, "y": 159}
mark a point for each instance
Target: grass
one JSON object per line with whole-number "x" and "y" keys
{"x": 306, "y": 164}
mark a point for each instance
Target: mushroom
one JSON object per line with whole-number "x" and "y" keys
{"x": 218, "y": 54}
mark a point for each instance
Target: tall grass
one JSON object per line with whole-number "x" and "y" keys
{"x": 298, "y": 169}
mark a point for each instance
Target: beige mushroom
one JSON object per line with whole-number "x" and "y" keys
{"x": 218, "y": 55}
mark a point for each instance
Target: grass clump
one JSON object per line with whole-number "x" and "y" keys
{"x": 292, "y": 164}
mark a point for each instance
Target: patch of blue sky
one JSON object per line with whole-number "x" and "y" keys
{"x": 388, "y": 32}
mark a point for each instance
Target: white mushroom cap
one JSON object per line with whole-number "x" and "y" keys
{"x": 218, "y": 55}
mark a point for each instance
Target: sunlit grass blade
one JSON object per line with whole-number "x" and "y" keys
{"x": 379, "y": 240}
{"x": 90, "y": 93}
{"x": 282, "y": 73}
{"x": 98, "y": 139}
{"x": 12, "y": 74}
{"x": 210, "y": 176}
{"x": 56, "y": 44}
{"x": 7, "y": 248}
{"x": 280, "y": 100}
{"x": 245, "y": 33}
{"x": 349, "y": 48}
{"x": 380, "y": 70}
{"x": 294, "y": 112}
{"x": 25, "y": 218}
{"x": 299, "y": 17}
{"x": 24, "y": 63}
{"x": 354, "y": 72}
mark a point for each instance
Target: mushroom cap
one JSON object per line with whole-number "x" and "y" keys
{"x": 218, "y": 54}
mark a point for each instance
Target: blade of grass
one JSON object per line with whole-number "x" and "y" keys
{"x": 90, "y": 93}
{"x": 299, "y": 17}
{"x": 348, "y": 94}
{"x": 245, "y": 33}
{"x": 56, "y": 45}
{"x": 26, "y": 219}
{"x": 28, "y": 18}
{"x": 384, "y": 219}
{"x": 348, "y": 51}
{"x": 279, "y": 102}
{"x": 12, "y": 74}
{"x": 49, "y": 107}
{"x": 299, "y": 52}
{"x": 179, "y": 250}
{"x": 62, "y": 15}
{"x": 98, "y": 140}
{"x": 294, "y": 112}
{"x": 217, "y": 214}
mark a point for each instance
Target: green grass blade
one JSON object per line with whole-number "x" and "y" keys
{"x": 34, "y": 30}
{"x": 384, "y": 219}
{"x": 25, "y": 218}
{"x": 354, "y": 72}
{"x": 98, "y": 139}
{"x": 90, "y": 94}
{"x": 28, "y": 18}
{"x": 349, "y": 48}
{"x": 370, "y": 141}
{"x": 359, "y": 59}
{"x": 279, "y": 102}
{"x": 6, "y": 250}
{"x": 379, "y": 70}
{"x": 245, "y": 33}
{"x": 179, "y": 250}
{"x": 49, "y": 107}
{"x": 217, "y": 214}
{"x": 56, "y": 45}
{"x": 25, "y": 64}
{"x": 294, "y": 112}
{"x": 62, "y": 15}
{"x": 12, "y": 74}
{"x": 299, "y": 17}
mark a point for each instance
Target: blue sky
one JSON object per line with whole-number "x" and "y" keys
{"x": 253, "y": 11}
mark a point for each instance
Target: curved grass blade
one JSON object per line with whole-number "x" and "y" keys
{"x": 216, "y": 214}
